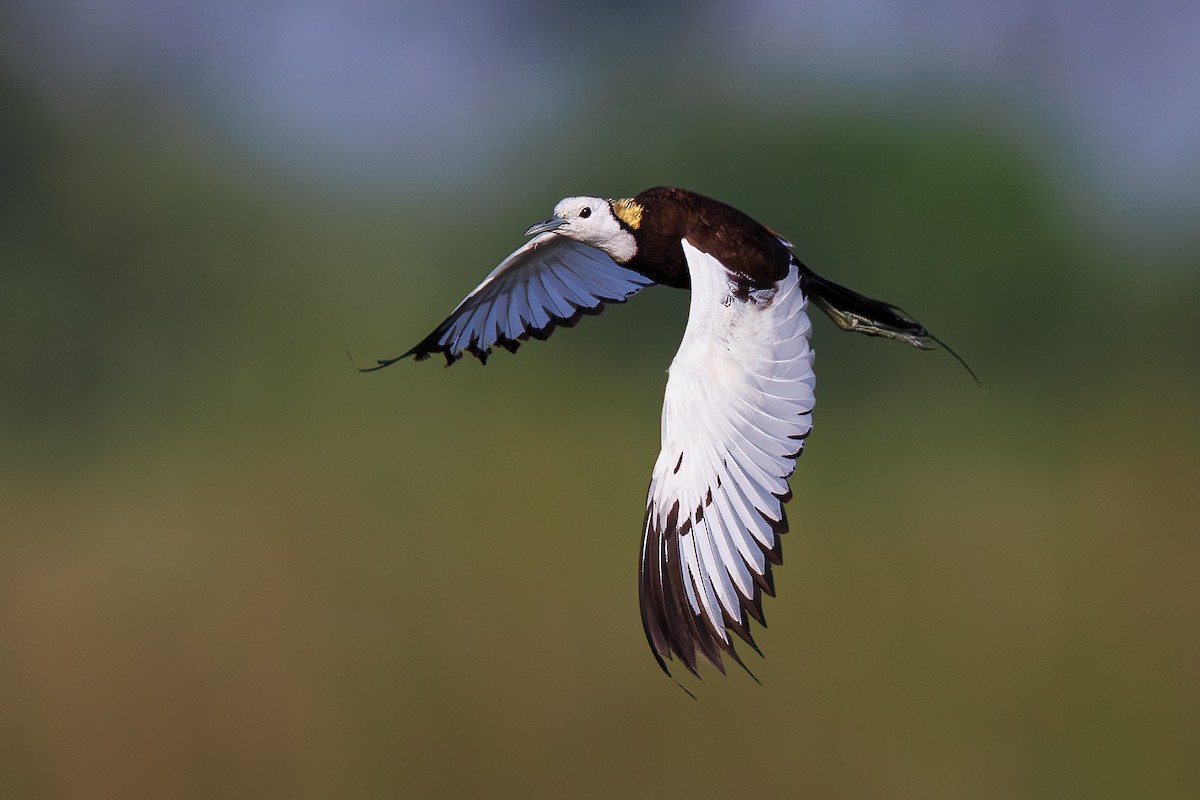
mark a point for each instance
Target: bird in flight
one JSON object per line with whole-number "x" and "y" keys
{"x": 739, "y": 395}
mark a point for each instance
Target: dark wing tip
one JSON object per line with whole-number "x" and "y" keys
{"x": 380, "y": 363}
{"x": 417, "y": 354}
{"x": 432, "y": 343}
{"x": 673, "y": 629}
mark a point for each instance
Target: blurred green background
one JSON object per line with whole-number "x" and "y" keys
{"x": 231, "y": 566}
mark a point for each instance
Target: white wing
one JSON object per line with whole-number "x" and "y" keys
{"x": 738, "y": 405}
{"x": 551, "y": 280}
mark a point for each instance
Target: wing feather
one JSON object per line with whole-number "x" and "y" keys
{"x": 556, "y": 292}
{"x": 550, "y": 281}
{"x": 738, "y": 405}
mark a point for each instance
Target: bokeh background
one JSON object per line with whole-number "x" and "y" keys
{"x": 231, "y": 566}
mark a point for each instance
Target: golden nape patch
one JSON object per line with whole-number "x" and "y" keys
{"x": 628, "y": 212}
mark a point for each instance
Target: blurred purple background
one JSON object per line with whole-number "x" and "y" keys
{"x": 435, "y": 93}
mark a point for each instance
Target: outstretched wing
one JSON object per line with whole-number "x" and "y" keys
{"x": 738, "y": 406}
{"x": 552, "y": 280}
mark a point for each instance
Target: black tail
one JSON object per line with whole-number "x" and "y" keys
{"x": 852, "y": 311}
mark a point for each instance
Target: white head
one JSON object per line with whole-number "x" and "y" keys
{"x": 590, "y": 220}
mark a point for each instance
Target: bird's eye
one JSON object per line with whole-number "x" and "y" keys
{"x": 586, "y": 212}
